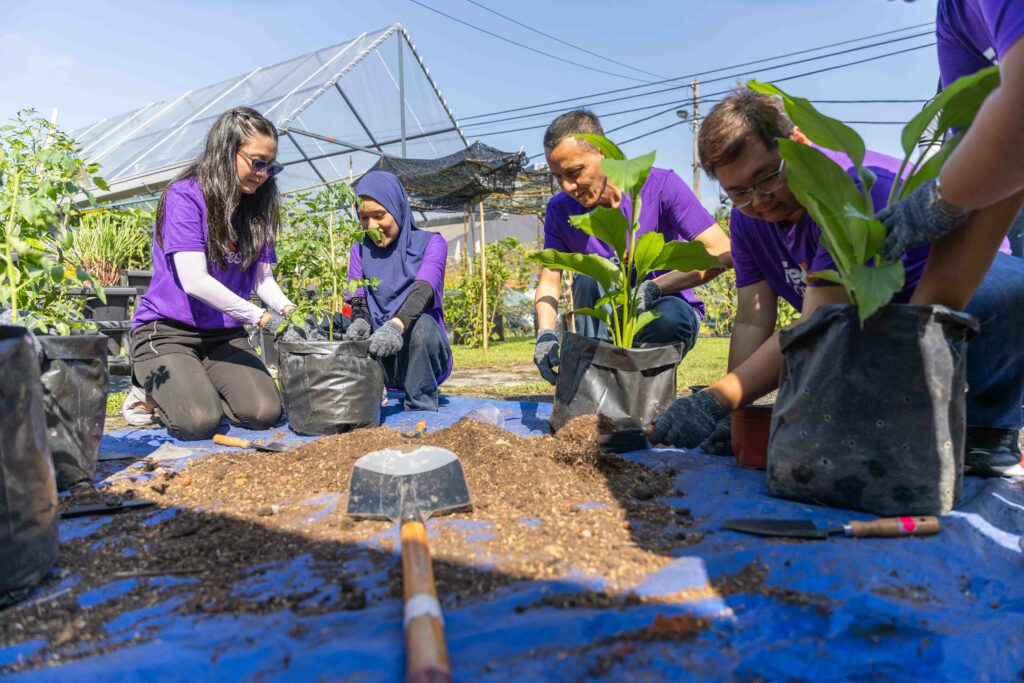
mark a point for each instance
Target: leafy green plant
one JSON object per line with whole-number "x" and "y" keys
{"x": 638, "y": 255}
{"x": 313, "y": 251}
{"x": 843, "y": 208}
{"x": 107, "y": 240}
{"x": 42, "y": 175}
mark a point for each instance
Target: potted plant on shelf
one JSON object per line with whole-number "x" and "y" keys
{"x": 42, "y": 172}
{"x": 105, "y": 241}
{"x": 615, "y": 379}
{"x": 329, "y": 385}
{"x": 836, "y": 437}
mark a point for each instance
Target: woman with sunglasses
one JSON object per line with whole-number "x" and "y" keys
{"x": 213, "y": 246}
{"x": 402, "y": 314}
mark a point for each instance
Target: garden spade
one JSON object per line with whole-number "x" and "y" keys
{"x": 273, "y": 447}
{"x": 407, "y": 485}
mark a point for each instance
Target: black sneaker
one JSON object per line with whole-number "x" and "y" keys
{"x": 992, "y": 452}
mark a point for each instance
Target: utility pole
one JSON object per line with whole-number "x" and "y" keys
{"x": 695, "y": 125}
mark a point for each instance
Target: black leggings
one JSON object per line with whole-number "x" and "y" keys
{"x": 198, "y": 376}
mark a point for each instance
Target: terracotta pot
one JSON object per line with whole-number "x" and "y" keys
{"x": 750, "y": 427}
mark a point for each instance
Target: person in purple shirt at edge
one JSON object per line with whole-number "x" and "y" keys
{"x": 777, "y": 248}
{"x": 967, "y": 211}
{"x": 213, "y": 245}
{"x": 669, "y": 207}
{"x": 402, "y": 315}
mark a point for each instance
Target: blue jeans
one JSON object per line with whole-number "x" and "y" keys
{"x": 422, "y": 363}
{"x": 995, "y": 358}
{"x": 676, "y": 322}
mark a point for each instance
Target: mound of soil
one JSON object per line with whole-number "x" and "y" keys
{"x": 543, "y": 507}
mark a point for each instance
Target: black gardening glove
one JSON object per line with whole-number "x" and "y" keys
{"x": 649, "y": 293}
{"x": 545, "y": 355}
{"x": 922, "y": 216}
{"x": 688, "y": 421}
{"x": 387, "y": 340}
{"x": 720, "y": 440}
{"x": 357, "y": 330}
{"x": 281, "y": 328}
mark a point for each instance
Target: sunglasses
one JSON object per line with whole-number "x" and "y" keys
{"x": 261, "y": 166}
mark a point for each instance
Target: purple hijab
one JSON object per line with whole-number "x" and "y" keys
{"x": 397, "y": 264}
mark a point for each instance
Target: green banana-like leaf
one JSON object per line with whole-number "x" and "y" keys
{"x": 597, "y": 267}
{"x": 644, "y": 319}
{"x": 598, "y": 313}
{"x": 608, "y": 148}
{"x": 629, "y": 175}
{"x": 828, "y": 275}
{"x": 824, "y": 130}
{"x": 958, "y": 103}
{"x": 649, "y": 247}
{"x": 685, "y": 256}
{"x": 607, "y": 225}
{"x": 872, "y": 287}
{"x": 929, "y": 169}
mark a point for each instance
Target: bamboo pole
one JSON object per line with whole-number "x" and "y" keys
{"x": 483, "y": 276}
{"x": 465, "y": 239}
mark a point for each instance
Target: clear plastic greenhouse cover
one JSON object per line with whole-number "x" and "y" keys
{"x": 339, "y": 108}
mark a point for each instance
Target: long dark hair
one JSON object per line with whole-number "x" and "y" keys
{"x": 257, "y": 216}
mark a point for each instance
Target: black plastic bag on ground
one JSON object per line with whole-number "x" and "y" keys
{"x": 75, "y": 377}
{"x": 872, "y": 418}
{"x": 28, "y": 494}
{"x": 595, "y": 377}
{"x": 329, "y": 387}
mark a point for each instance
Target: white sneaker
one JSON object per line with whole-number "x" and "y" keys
{"x": 136, "y": 411}
{"x": 384, "y": 397}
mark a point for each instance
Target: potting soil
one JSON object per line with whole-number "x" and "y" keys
{"x": 572, "y": 565}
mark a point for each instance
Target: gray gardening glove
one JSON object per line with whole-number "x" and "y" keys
{"x": 688, "y": 421}
{"x": 545, "y": 355}
{"x": 387, "y": 340}
{"x": 281, "y": 328}
{"x": 358, "y": 329}
{"x": 920, "y": 217}
{"x": 649, "y": 293}
{"x": 720, "y": 440}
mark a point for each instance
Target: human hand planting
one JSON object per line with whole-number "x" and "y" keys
{"x": 387, "y": 340}
{"x": 279, "y": 325}
{"x": 357, "y": 330}
{"x": 719, "y": 442}
{"x": 688, "y": 421}
{"x": 920, "y": 217}
{"x": 649, "y": 293}
{"x": 545, "y": 355}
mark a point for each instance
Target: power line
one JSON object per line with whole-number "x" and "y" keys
{"x": 525, "y": 47}
{"x": 696, "y": 74}
{"x": 712, "y": 80}
{"x": 560, "y": 40}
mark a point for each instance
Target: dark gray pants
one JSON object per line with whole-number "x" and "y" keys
{"x": 422, "y": 363}
{"x": 196, "y": 377}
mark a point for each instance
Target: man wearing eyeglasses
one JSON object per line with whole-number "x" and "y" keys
{"x": 777, "y": 248}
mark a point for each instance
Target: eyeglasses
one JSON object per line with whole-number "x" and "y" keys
{"x": 260, "y": 166}
{"x": 770, "y": 184}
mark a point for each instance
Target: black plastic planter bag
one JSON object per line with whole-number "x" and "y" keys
{"x": 595, "y": 377}
{"x": 28, "y": 495}
{"x": 329, "y": 386}
{"x": 74, "y": 373}
{"x": 872, "y": 419}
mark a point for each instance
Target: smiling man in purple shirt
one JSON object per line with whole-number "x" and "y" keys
{"x": 669, "y": 207}
{"x": 776, "y": 248}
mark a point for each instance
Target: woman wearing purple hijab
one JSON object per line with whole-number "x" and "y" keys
{"x": 402, "y": 315}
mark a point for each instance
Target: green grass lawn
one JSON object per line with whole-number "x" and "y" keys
{"x": 703, "y": 365}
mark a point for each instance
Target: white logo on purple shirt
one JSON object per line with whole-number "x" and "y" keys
{"x": 796, "y": 277}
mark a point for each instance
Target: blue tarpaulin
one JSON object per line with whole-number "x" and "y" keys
{"x": 943, "y": 608}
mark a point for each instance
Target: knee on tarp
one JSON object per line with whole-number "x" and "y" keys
{"x": 329, "y": 387}
{"x": 28, "y": 493}
{"x": 871, "y": 417}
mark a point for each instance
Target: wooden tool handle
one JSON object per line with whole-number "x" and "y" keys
{"x": 225, "y": 440}
{"x": 426, "y": 653}
{"x": 896, "y": 526}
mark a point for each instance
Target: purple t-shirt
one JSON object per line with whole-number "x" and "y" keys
{"x": 974, "y": 34}
{"x": 669, "y": 207}
{"x": 787, "y": 255}
{"x": 184, "y": 229}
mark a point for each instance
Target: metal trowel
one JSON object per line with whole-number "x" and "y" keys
{"x": 408, "y": 485}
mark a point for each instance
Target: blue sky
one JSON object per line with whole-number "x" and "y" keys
{"x": 98, "y": 59}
